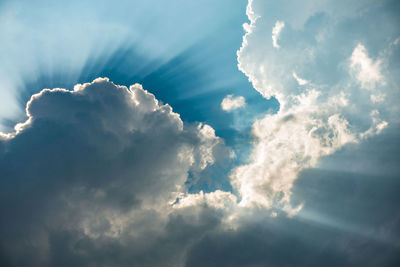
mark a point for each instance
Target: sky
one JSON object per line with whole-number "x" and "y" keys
{"x": 199, "y": 133}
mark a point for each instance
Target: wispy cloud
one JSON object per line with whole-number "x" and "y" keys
{"x": 299, "y": 80}
{"x": 276, "y": 31}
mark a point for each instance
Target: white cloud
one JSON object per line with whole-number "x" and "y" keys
{"x": 286, "y": 143}
{"x": 377, "y": 98}
{"x": 377, "y": 126}
{"x": 230, "y": 103}
{"x": 276, "y": 31}
{"x": 314, "y": 122}
{"x": 367, "y": 71}
{"x": 299, "y": 80}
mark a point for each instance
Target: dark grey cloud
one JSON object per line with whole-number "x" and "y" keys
{"x": 89, "y": 177}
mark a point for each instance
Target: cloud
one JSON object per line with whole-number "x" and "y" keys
{"x": 99, "y": 175}
{"x": 367, "y": 71}
{"x": 286, "y": 143}
{"x": 317, "y": 120}
{"x": 341, "y": 224}
{"x": 276, "y": 31}
{"x": 91, "y": 175}
{"x": 299, "y": 80}
{"x": 230, "y": 103}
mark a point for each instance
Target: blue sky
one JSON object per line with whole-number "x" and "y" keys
{"x": 118, "y": 44}
{"x": 228, "y": 133}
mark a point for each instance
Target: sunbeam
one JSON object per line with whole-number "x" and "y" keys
{"x": 199, "y": 133}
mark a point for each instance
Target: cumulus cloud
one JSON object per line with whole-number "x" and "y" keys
{"x": 276, "y": 31}
{"x": 91, "y": 175}
{"x": 314, "y": 120}
{"x": 98, "y": 175}
{"x": 230, "y": 103}
{"x": 286, "y": 143}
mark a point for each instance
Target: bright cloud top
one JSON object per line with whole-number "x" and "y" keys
{"x": 315, "y": 119}
{"x": 230, "y": 103}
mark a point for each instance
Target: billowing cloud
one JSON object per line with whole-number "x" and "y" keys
{"x": 276, "y": 31}
{"x": 230, "y": 103}
{"x": 315, "y": 119}
{"x": 101, "y": 175}
{"x": 92, "y": 175}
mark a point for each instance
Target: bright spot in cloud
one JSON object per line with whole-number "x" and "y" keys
{"x": 299, "y": 80}
{"x": 276, "y": 31}
{"x": 367, "y": 71}
{"x": 230, "y": 103}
